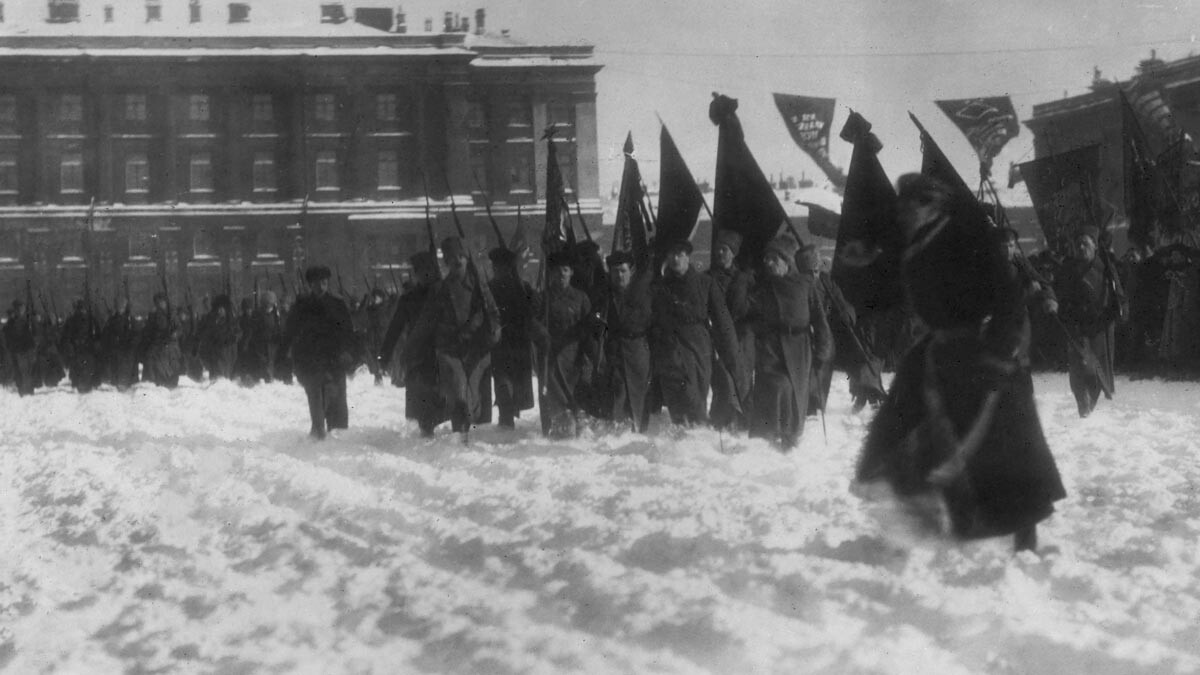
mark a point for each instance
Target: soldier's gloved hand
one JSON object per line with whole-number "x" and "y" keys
{"x": 1051, "y": 306}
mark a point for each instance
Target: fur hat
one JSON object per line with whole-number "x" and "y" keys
{"x": 316, "y": 273}
{"x": 561, "y": 258}
{"x": 452, "y": 247}
{"x": 502, "y": 256}
{"x": 423, "y": 261}
{"x": 731, "y": 239}
{"x": 808, "y": 259}
{"x": 679, "y": 245}
{"x": 783, "y": 246}
{"x": 268, "y": 298}
{"x": 618, "y": 258}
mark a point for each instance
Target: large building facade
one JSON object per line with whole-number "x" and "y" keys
{"x": 213, "y": 159}
{"x": 1168, "y": 92}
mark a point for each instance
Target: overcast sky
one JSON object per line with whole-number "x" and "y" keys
{"x": 882, "y": 58}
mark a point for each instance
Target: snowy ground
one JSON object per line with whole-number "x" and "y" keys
{"x": 200, "y": 530}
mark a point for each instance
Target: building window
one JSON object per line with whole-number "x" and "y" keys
{"x": 135, "y": 107}
{"x": 70, "y": 174}
{"x": 327, "y": 170}
{"x": 333, "y": 13}
{"x": 204, "y": 245}
{"x": 70, "y": 108}
{"x": 198, "y": 108}
{"x": 239, "y": 12}
{"x": 520, "y": 167}
{"x": 264, "y": 108}
{"x": 385, "y": 107}
{"x": 389, "y": 170}
{"x": 108, "y": 14}
{"x": 194, "y": 11}
{"x": 1, "y": 12}
{"x": 200, "y": 177}
{"x": 8, "y": 174}
{"x": 153, "y": 10}
{"x": 325, "y": 107}
{"x": 264, "y": 172}
{"x": 8, "y": 112}
{"x": 137, "y": 174}
{"x": 64, "y": 11}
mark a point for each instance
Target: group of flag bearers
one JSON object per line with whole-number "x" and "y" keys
{"x": 924, "y": 280}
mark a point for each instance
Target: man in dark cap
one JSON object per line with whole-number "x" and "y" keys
{"x": 791, "y": 341}
{"x": 415, "y": 360}
{"x": 563, "y": 322}
{"x": 623, "y": 380}
{"x": 320, "y": 337}
{"x": 121, "y": 339}
{"x": 684, "y": 304}
{"x": 461, "y": 320}
{"x": 1087, "y": 305}
{"x": 266, "y": 333}
{"x": 734, "y": 286}
{"x": 377, "y": 317}
{"x": 20, "y": 337}
{"x": 218, "y": 339}
{"x": 512, "y": 357}
{"x": 162, "y": 358}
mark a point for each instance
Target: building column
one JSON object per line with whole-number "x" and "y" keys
{"x": 42, "y": 112}
{"x": 539, "y": 117}
{"x": 238, "y": 186}
{"x": 359, "y": 111}
{"x": 458, "y": 149}
{"x": 587, "y": 160}
{"x": 104, "y": 148}
{"x": 170, "y": 169}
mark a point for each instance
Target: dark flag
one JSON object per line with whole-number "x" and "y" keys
{"x": 808, "y": 120}
{"x": 866, "y": 261}
{"x": 821, "y": 221}
{"x": 679, "y": 198}
{"x": 1149, "y": 199}
{"x": 988, "y": 123}
{"x": 1157, "y": 122}
{"x": 1063, "y": 189}
{"x": 558, "y": 232}
{"x": 744, "y": 201}
{"x": 630, "y": 231}
{"x": 935, "y": 164}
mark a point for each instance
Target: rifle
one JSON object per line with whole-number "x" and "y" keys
{"x": 283, "y": 286}
{"x": 341, "y": 287}
{"x": 128, "y": 303}
{"x": 579, "y": 212}
{"x": 489, "y": 303}
{"x": 162, "y": 275}
{"x": 487, "y": 204}
{"x": 29, "y": 312}
{"x": 433, "y": 249}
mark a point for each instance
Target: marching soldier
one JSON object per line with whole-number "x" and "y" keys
{"x": 219, "y": 339}
{"x": 683, "y": 303}
{"x": 320, "y": 337}
{"x": 20, "y": 336}
{"x": 512, "y": 357}
{"x": 563, "y": 322}
{"x": 162, "y": 357}
{"x": 1087, "y": 307}
{"x": 422, "y": 400}
{"x": 121, "y": 346}
{"x": 734, "y": 285}
{"x": 625, "y": 375}
{"x": 462, "y": 323}
{"x": 80, "y": 346}
{"x": 792, "y": 340}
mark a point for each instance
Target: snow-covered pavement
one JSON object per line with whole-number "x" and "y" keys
{"x": 200, "y": 530}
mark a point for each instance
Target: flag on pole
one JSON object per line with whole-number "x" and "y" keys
{"x": 1150, "y": 201}
{"x": 629, "y": 230}
{"x": 744, "y": 201}
{"x": 558, "y": 232}
{"x": 988, "y": 123}
{"x": 1063, "y": 190}
{"x": 808, "y": 120}
{"x": 866, "y": 261}
{"x": 821, "y": 221}
{"x": 679, "y": 198}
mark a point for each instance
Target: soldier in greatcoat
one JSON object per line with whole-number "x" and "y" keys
{"x": 121, "y": 338}
{"x": 218, "y": 339}
{"x": 461, "y": 320}
{"x": 320, "y": 338}
{"x": 512, "y": 357}
{"x": 960, "y": 426}
{"x": 1087, "y": 307}
{"x": 161, "y": 356}
{"x": 684, "y": 303}
{"x": 422, "y": 399}
{"x": 20, "y": 338}
{"x": 624, "y": 374}
{"x": 734, "y": 285}
{"x": 80, "y": 345}
{"x": 564, "y": 322}
{"x": 266, "y": 333}
{"x": 792, "y": 340}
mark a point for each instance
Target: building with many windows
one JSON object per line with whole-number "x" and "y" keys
{"x": 195, "y": 146}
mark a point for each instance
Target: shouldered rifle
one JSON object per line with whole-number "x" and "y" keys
{"x": 29, "y": 311}
{"x": 487, "y": 204}
{"x": 485, "y": 292}
{"x": 433, "y": 248}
